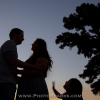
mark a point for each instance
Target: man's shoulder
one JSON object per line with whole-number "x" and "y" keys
{"x": 9, "y": 42}
{"x": 9, "y": 45}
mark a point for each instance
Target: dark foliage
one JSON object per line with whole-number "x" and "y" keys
{"x": 86, "y": 22}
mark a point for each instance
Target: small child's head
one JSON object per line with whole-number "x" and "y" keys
{"x": 73, "y": 85}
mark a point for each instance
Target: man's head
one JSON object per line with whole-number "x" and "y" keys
{"x": 17, "y": 35}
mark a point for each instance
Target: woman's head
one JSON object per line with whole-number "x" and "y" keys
{"x": 39, "y": 46}
{"x": 73, "y": 85}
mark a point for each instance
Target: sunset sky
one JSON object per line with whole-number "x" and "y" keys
{"x": 44, "y": 19}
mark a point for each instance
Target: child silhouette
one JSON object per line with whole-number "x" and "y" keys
{"x": 73, "y": 89}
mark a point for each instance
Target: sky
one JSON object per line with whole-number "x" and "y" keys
{"x": 44, "y": 19}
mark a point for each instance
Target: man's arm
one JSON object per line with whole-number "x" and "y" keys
{"x": 41, "y": 63}
{"x": 10, "y": 53}
{"x": 25, "y": 72}
{"x": 18, "y": 63}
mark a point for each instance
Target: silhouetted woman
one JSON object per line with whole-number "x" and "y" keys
{"x": 32, "y": 85}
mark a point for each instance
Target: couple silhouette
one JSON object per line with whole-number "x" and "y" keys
{"x": 34, "y": 71}
{"x": 31, "y": 85}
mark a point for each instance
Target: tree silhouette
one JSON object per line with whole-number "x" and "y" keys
{"x": 86, "y": 23}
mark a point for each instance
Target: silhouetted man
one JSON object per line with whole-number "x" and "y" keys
{"x": 9, "y": 57}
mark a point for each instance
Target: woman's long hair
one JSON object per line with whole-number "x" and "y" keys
{"x": 42, "y": 49}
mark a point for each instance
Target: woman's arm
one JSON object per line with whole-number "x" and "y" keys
{"x": 40, "y": 61}
{"x": 18, "y": 63}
